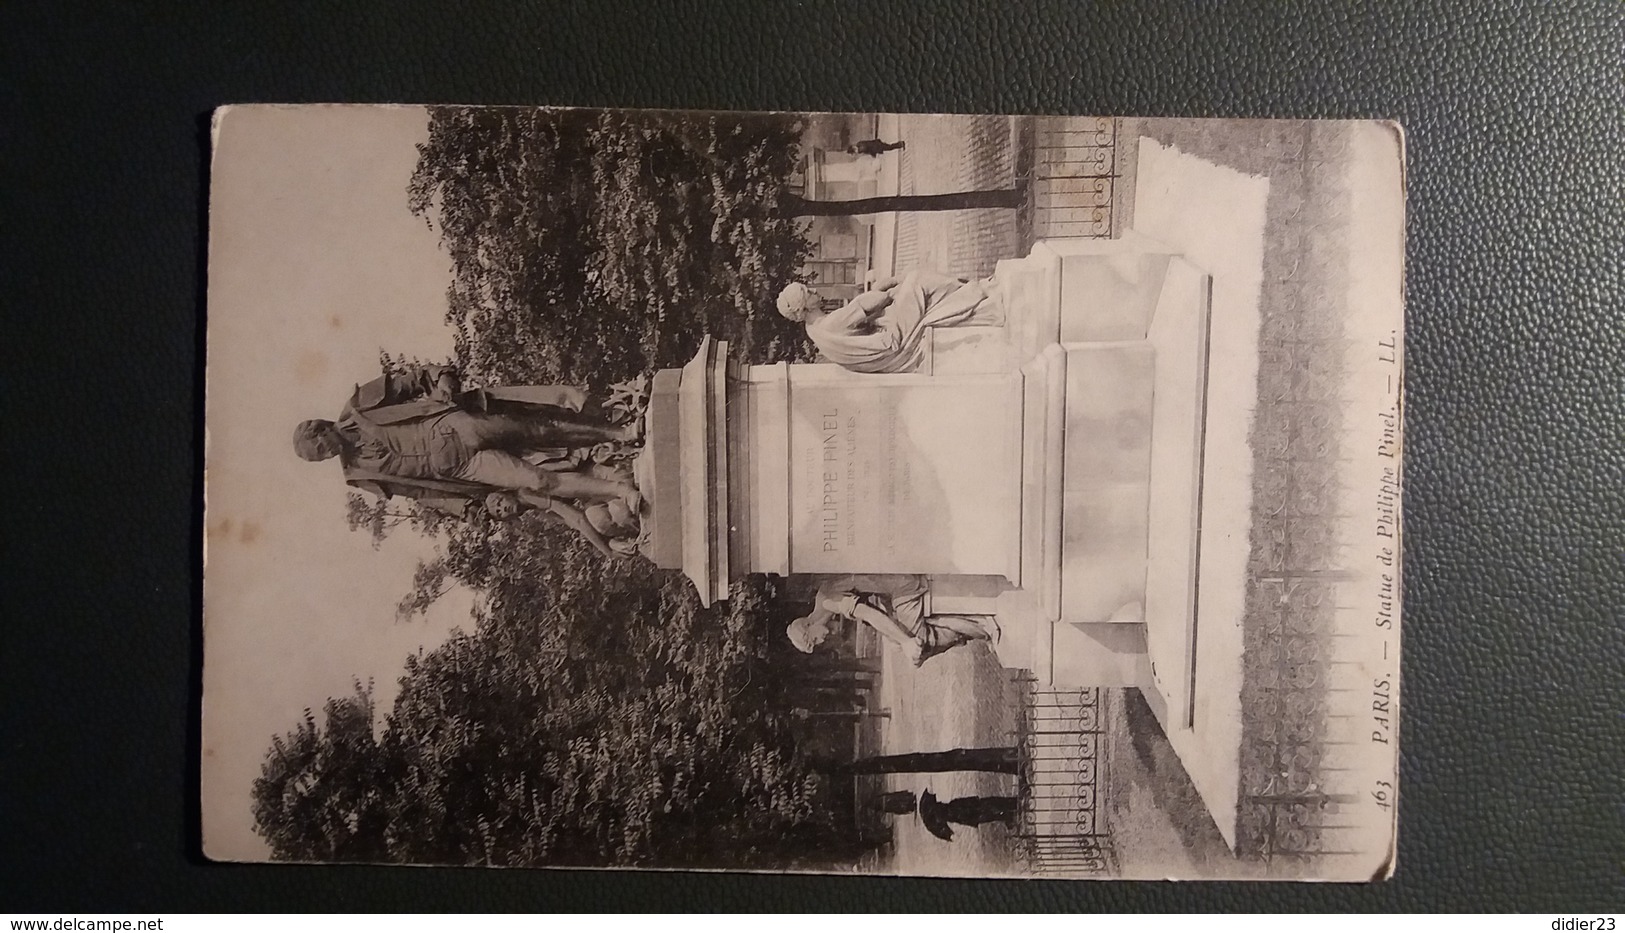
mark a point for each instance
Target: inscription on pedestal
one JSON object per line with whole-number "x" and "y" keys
{"x": 916, "y": 476}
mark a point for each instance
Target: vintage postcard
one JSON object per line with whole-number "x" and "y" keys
{"x": 870, "y": 493}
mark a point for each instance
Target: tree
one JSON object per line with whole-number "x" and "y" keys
{"x": 381, "y": 516}
{"x": 954, "y": 201}
{"x": 392, "y": 363}
{"x": 1003, "y": 759}
{"x": 317, "y": 797}
{"x": 377, "y": 516}
{"x": 590, "y": 247}
{"x": 430, "y": 580}
{"x": 566, "y": 729}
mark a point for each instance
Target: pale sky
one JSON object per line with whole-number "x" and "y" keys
{"x": 314, "y": 265}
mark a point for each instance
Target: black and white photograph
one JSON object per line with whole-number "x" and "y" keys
{"x": 853, "y": 493}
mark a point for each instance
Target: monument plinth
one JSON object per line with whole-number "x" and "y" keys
{"x": 1048, "y": 471}
{"x": 812, "y": 469}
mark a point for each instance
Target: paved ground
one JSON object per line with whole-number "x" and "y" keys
{"x": 947, "y": 154}
{"x": 961, "y": 699}
{"x": 1069, "y": 165}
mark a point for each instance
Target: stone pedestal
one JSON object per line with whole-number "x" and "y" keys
{"x": 813, "y": 469}
{"x": 1048, "y": 471}
{"x": 1111, "y": 339}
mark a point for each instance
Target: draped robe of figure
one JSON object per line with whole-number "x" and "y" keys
{"x": 882, "y": 330}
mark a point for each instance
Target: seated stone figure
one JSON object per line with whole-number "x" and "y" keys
{"x": 894, "y": 606}
{"x": 618, "y": 524}
{"x": 881, "y": 330}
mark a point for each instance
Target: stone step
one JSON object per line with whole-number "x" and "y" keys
{"x": 1032, "y": 313}
{"x": 1100, "y": 654}
{"x": 1106, "y": 477}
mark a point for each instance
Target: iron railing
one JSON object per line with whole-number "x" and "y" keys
{"x": 1074, "y": 176}
{"x": 1061, "y": 821}
{"x": 1296, "y": 804}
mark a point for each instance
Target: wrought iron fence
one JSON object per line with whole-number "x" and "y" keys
{"x": 1061, "y": 821}
{"x": 1294, "y": 749}
{"x": 1074, "y": 176}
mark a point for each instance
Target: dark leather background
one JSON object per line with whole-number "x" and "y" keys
{"x": 1514, "y": 713}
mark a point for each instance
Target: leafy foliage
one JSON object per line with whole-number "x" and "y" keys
{"x": 294, "y": 806}
{"x": 598, "y": 717}
{"x": 596, "y": 714}
{"x": 593, "y": 246}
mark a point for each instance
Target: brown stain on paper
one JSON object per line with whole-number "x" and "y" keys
{"x": 250, "y": 533}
